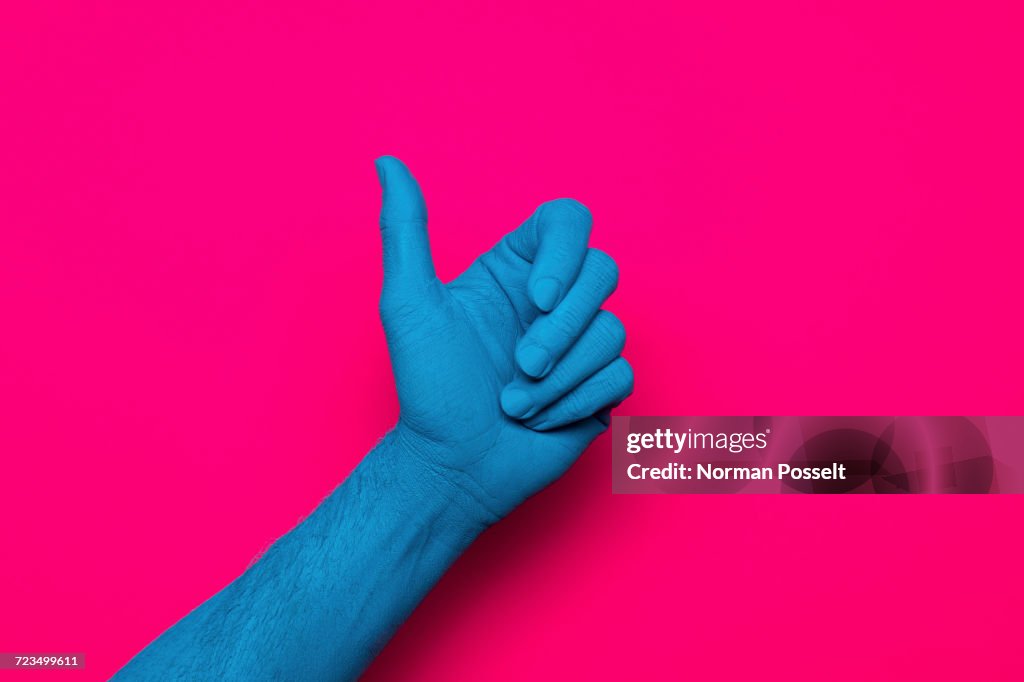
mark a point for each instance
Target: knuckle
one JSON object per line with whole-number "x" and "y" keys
{"x": 575, "y": 321}
{"x": 609, "y": 388}
{"x": 566, "y": 325}
{"x": 611, "y": 329}
{"x": 385, "y": 304}
{"x": 606, "y": 270}
{"x": 574, "y": 404}
{"x": 616, "y": 380}
{"x": 624, "y": 377}
{"x": 394, "y": 307}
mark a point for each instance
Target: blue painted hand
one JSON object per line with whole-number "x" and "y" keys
{"x": 507, "y": 373}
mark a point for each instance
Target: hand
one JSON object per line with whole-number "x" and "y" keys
{"x": 506, "y": 374}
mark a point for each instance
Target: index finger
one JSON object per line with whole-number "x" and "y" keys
{"x": 554, "y": 240}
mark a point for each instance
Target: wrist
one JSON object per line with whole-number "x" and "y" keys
{"x": 425, "y": 482}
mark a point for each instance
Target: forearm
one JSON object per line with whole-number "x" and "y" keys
{"x": 327, "y": 596}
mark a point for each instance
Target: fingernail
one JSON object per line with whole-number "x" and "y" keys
{"x": 545, "y": 293}
{"x": 516, "y": 402}
{"x": 534, "y": 360}
{"x": 379, "y": 165}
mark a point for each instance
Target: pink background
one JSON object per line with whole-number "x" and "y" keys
{"x": 816, "y": 207}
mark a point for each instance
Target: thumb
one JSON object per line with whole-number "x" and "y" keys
{"x": 403, "y": 226}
